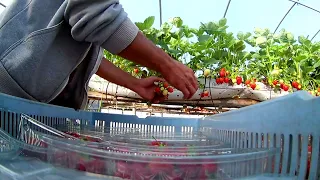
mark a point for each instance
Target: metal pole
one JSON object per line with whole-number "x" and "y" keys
{"x": 315, "y": 35}
{"x": 160, "y": 11}
{"x": 2, "y": 5}
{"x": 225, "y": 12}
{"x": 305, "y": 6}
{"x": 295, "y": 3}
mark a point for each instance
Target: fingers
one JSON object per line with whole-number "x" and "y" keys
{"x": 191, "y": 88}
{"x": 186, "y": 92}
{"x": 193, "y": 81}
{"x": 155, "y": 79}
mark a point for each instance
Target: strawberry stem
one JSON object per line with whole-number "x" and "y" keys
{"x": 154, "y": 138}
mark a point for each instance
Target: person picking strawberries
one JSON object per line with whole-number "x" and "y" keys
{"x": 50, "y": 49}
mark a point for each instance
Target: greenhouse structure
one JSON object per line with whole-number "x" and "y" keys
{"x": 255, "y": 115}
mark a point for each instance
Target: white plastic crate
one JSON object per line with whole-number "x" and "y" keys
{"x": 287, "y": 123}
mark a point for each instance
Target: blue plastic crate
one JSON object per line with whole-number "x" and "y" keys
{"x": 286, "y": 122}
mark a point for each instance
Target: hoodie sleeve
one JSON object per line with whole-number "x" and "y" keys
{"x": 102, "y": 22}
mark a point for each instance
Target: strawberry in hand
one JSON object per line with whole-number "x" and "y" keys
{"x": 146, "y": 89}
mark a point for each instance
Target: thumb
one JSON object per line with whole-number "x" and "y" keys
{"x": 155, "y": 79}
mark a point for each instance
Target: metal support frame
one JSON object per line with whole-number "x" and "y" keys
{"x": 160, "y": 11}
{"x": 295, "y": 3}
{"x": 227, "y": 8}
{"x": 3, "y": 4}
{"x": 315, "y": 34}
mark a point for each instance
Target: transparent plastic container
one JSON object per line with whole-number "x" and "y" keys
{"x": 220, "y": 163}
{"x": 29, "y": 168}
{"x": 124, "y": 138}
{"x": 141, "y": 161}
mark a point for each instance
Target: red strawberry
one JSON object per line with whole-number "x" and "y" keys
{"x": 285, "y": 87}
{"x": 218, "y": 80}
{"x": 253, "y": 85}
{"x": 158, "y": 143}
{"x": 138, "y": 170}
{"x": 226, "y": 80}
{"x": 247, "y": 82}
{"x": 122, "y": 167}
{"x": 202, "y": 94}
{"x": 295, "y": 84}
{"x": 80, "y": 167}
{"x": 210, "y": 167}
{"x": 76, "y": 135}
{"x": 275, "y": 82}
{"x": 239, "y": 80}
{"x": 206, "y": 93}
{"x": 156, "y": 168}
{"x": 170, "y": 89}
{"x": 223, "y": 69}
{"x": 157, "y": 89}
{"x": 136, "y": 70}
{"x": 299, "y": 87}
{"x": 222, "y": 73}
{"x": 96, "y": 166}
{"x": 281, "y": 85}
{"x": 221, "y": 80}
{"x": 165, "y": 84}
{"x": 154, "y": 143}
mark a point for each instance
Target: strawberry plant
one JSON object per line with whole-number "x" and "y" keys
{"x": 281, "y": 61}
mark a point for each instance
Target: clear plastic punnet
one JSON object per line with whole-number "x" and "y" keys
{"x": 22, "y": 161}
{"x": 124, "y": 138}
{"x": 159, "y": 161}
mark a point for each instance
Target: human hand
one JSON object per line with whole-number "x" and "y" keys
{"x": 181, "y": 77}
{"x": 145, "y": 88}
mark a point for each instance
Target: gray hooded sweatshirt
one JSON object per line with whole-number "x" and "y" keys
{"x": 49, "y": 49}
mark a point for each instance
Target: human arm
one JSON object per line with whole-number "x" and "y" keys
{"x": 112, "y": 73}
{"x": 144, "y": 52}
{"x": 144, "y": 87}
{"x": 105, "y": 23}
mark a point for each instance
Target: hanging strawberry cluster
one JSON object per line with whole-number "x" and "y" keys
{"x": 280, "y": 84}
{"x": 223, "y": 76}
{"x": 251, "y": 83}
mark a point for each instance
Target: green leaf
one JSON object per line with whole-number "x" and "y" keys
{"x": 140, "y": 25}
{"x": 317, "y": 64}
{"x": 211, "y": 27}
{"x": 258, "y": 30}
{"x": 177, "y": 21}
{"x": 211, "y": 61}
{"x": 301, "y": 57}
{"x": 261, "y": 40}
{"x": 223, "y": 22}
{"x": 240, "y": 36}
{"x": 247, "y": 35}
{"x": 301, "y": 39}
{"x": 148, "y": 23}
{"x": 290, "y": 36}
{"x": 203, "y": 38}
